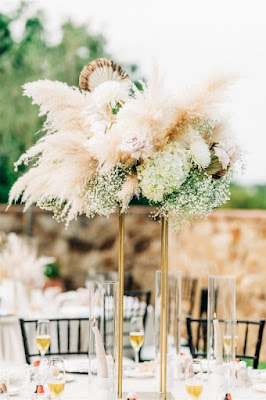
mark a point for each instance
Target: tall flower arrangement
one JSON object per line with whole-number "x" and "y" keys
{"x": 110, "y": 141}
{"x": 19, "y": 261}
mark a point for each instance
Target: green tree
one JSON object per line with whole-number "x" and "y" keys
{"x": 30, "y": 59}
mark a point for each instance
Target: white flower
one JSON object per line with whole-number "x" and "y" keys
{"x": 111, "y": 93}
{"x": 136, "y": 145}
{"x": 164, "y": 173}
{"x": 226, "y": 153}
{"x": 200, "y": 153}
{"x": 98, "y": 119}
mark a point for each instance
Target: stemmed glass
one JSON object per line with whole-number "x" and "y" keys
{"x": 194, "y": 379}
{"x": 136, "y": 336}
{"x": 43, "y": 337}
{"x": 56, "y": 377}
{"x": 227, "y": 337}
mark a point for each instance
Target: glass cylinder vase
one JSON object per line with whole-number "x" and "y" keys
{"x": 221, "y": 332}
{"x": 103, "y": 334}
{"x": 174, "y": 312}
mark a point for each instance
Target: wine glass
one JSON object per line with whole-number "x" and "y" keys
{"x": 136, "y": 336}
{"x": 43, "y": 337}
{"x": 56, "y": 377}
{"x": 194, "y": 379}
{"x": 227, "y": 337}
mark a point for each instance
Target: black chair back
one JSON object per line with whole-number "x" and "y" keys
{"x": 197, "y": 338}
{"x": 189, "y": 287}
{"x": 197, "y": 342}
{"x": 69, "y": 336}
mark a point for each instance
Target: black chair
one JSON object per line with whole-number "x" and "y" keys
{"x": 189, "y": 287}
{"x": 198, "y": 344}
{"x": 203, "y": 303}
{"x": 66, "y": 337}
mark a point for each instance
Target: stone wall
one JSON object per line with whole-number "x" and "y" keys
{"x": 229, "y": 242}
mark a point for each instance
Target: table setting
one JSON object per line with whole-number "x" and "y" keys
{"x": 77, "y": 386}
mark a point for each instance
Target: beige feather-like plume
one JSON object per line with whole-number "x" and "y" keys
{"x": 61, "y": 173}
{"x": 129, "y": 189}
{"x": 62, "y": 104}
{"x": 148, "y": 114}
{"x": 199, "y": 104}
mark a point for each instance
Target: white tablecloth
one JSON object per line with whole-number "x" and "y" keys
{"x": 78, "y": 390}
{"x": 11, "y": 343}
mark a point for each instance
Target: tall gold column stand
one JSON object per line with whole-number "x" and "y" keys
{"x": 164, "y": 310}
{"x": 121, "y": 297}
{"x": 162, "y": 301}
{"x": 165, "y": 319}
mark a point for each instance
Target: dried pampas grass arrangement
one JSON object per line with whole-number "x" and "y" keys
{"x": 111, "y": 142}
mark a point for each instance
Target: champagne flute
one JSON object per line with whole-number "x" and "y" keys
{"x": 194, "y": 379}
{"x": 56, "y": 377}
{"x": 43, "y": 337}
{"x": 136, "y": 336}
{"x": 227, "y": 337}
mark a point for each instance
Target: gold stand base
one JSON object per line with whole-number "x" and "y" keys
{"x": 154, "y": 396}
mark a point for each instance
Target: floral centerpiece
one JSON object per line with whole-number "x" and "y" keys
{"x": 112, "y": 141}
{"x": 19, "y": 261}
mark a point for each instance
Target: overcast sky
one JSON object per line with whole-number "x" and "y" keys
{"x": 189, "y": 40}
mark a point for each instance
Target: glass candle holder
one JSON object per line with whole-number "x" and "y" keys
{"x": 221, "y": 326}
{"x": 174, "y": 312}
{"x": 103, "y": 334}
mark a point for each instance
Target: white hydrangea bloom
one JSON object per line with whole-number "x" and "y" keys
{"x": 164, "y": 173}
{"x": 200, "y": 153}
{"x": 111, "y": 93}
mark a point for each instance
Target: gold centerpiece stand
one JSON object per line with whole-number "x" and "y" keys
{"x": 162, "y": 394}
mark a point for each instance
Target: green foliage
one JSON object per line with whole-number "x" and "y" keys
{"x": 251, "y": 197}
{"x": 52, "y": 270}
{"x": 30, "y": 59}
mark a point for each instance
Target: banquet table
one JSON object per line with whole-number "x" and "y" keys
{"x": 78, "y": 389}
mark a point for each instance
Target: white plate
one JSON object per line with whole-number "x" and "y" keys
{"x": 260, "y": 387}
{"x": 77, "y": 365}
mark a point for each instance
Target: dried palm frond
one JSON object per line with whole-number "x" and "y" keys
{"x": 99, "y": 71}
{"x": 215, "y": 169}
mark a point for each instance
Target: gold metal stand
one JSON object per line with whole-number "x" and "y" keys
{"x": 163, "y": 316}
{"x": 164, "y": 308}
{"x": 162, "y": 302}
{"x": 121, "y": 297}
